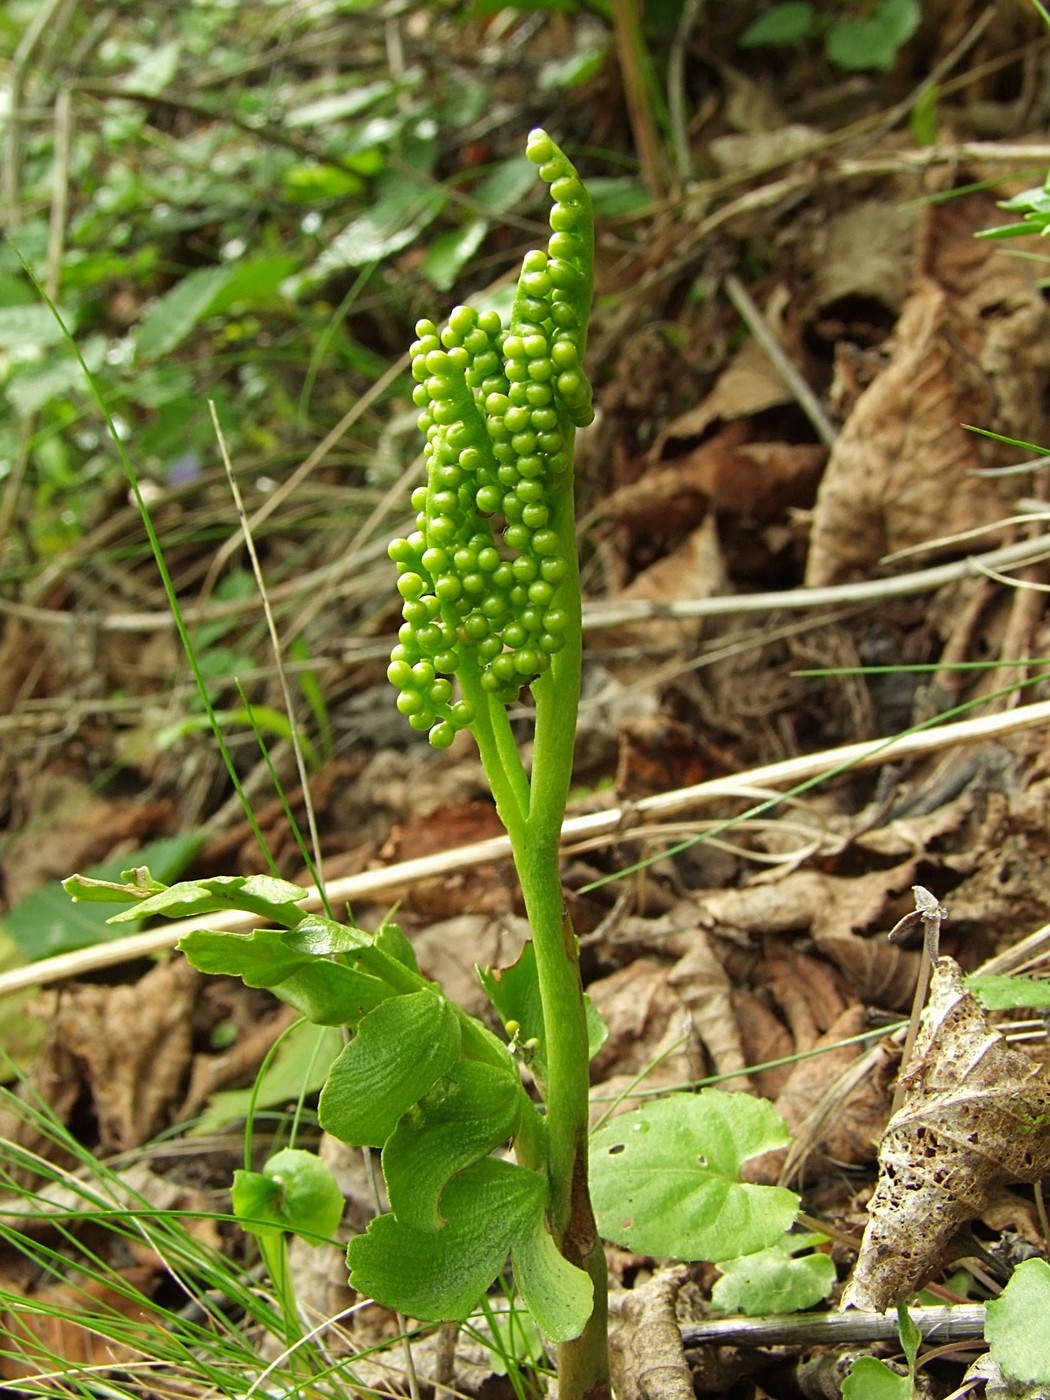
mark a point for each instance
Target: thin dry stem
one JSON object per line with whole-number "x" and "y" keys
{"x": 615, "y": 822}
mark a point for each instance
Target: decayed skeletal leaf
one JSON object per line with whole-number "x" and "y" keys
{"x": 975, "y": 1114}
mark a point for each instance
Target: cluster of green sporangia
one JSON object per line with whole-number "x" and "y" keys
{"x": 480, "y": 574}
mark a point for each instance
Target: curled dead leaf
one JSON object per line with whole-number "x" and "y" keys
{"x": 975, "y": 1114}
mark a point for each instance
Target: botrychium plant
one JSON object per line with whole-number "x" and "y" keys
{"x": 478, "y": 1170}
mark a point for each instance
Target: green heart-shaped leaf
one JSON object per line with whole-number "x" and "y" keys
{"x": 665, "y": 1179}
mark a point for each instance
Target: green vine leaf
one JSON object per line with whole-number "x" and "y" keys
{"x": 325, "y": 992}
{"x": 264, "y": 895}
{"x": 401, "y": 1049}
{"x": 665, "y": 1179}
{"x": 440, "y": 1275}
{"x": 467, "y": 1113}
{"x": 871, "y": 1379}
{"x": 1015, "y": 1327}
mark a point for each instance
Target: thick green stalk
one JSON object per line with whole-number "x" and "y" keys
{"x": 583, "y": 1367}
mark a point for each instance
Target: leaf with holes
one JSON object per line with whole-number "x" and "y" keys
{"x": 665, "y": 1179}
{"x": 975, "y": 1114}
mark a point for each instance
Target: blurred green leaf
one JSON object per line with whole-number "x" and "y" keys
{"x": 863, "y": 45}
{"x": 156, "y": 69}
{"x": 337, "y": 106}
{"x": 449, "y": 253}
{"x": 401, "y": 209}
{"x": 49, "y": 922}
{"x": 785, "y": 24}
{"x": 314, "y": 183}
{"x": 176, "y": 314}
{"x": 254, "y": 282}
{"x": 299, "y": 1066}
{"x": 576, "y": 68}
{"x": 32, "y": 327}
{"x": 1015, "y": 1324}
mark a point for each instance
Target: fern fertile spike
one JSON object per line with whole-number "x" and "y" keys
{"x": 498, "y": 407}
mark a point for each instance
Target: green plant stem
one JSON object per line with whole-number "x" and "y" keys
{"x": 273, "y": 1246}
{"x": 500, "y": 758}
{"x": 557, "y": 697}
{"x": 583, "y": 1367}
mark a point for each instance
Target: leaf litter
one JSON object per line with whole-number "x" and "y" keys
{"x": 703, "y": 477}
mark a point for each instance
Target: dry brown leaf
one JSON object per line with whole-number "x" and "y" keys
{"x": 1002, "y": 295}
{"x": 481, "y": 889}
{"x": 127, "y": 1047}
{"x": 657, "y": 753}
{"x": 748, "y": 385}
{"x": 807, "y": 899}
{"x": 765, "y": 1038}
{"x": 900, "y": 472}
{"x": 236, "y": 1065}
{"x": 846, "y": 1136}
{"x": 863, "y": 251}
{"x": 648, "y": 1026}
{"x": 450, "y": 951}
{"x": 696, "y": 569}
{"x": 757, "y": 149}
{"x": 805, "y": 990}
{"x": 726, "y": 472}
{"x": 645, "y": 1342}
{"x": 674, "y": 497}
{"x": 975, "y": 1114}
{"x": 67, "y": 826}
{"x": 916, "y": 835}
{"x": 879, "y": 972}
{"x": 701, "y": 982}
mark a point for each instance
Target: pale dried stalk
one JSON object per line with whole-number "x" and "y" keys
{"x": 615, "y": 823}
